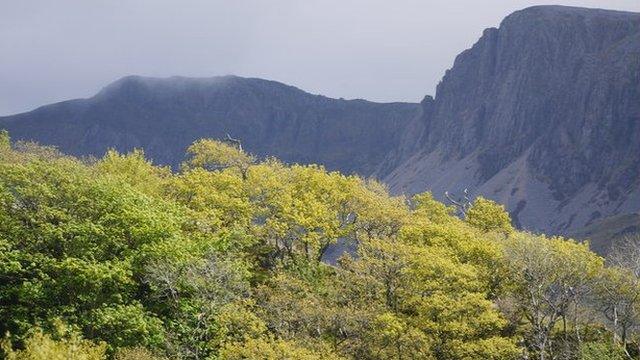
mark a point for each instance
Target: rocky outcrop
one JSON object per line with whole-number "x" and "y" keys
{"x": 163, "y": 116}
{"x": 542, "y": 114}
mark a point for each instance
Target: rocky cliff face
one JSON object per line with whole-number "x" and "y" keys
{"x": 542, "y": 114}
{"x": 163, "y": 116}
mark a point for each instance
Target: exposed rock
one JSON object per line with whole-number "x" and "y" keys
{"x": 602, "y": 234}
{"x": 542, "y": 114}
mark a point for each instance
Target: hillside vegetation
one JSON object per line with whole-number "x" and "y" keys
{"x": 118, "y": 258}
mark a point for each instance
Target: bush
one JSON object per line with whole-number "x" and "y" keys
{"x": 40, "y": 346}
{"x": 601, "y": 351}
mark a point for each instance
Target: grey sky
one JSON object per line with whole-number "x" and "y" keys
{"x": 378, "y": 50}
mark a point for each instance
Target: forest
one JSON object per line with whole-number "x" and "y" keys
{"x": 226, "y": 258}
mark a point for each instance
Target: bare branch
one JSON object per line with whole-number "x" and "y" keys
{"x": 462, "y": 205}
{"x": 233, "y": 142}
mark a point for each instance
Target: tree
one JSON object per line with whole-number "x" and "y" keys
{"x": 461, "y": 205}
{"x": 137, "y": 353}
{"x": 618, "y": 291}
{"x": 302, "y": 210}
{"x": 425, "y": 206}
{"x": 600, "y": 351}
{"x": 219, "y": 201}
{"x": 269, "y": 348}
{"x": 549, "y": 277}
{"x": 126, "y": 326}
{"x": 5, "y": 140}
{"x": 438, "y": 301}
{"x": 135, "y": 170}
{"x": 40, "y": 346}
{"x": 195, "y": 295}
{"x": 617, "y": 296}
{"x": 626, "y": 254}
{"x": 486, "y": 216}
{"x": 391, "y": 337}
{"x": 72, "y": 244}
{"x": 224, "y": 260}
{"x": 216, "y": 155}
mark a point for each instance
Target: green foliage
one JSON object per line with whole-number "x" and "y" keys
{"x": 601, "y": 351}
{"x": 266, "y": 348}
{"x": 224, "y": 260}
{"x": 439, "y": 302}
{"x": 215, "y": 155}
{"x": 486, "y": 216}
{"x": 5, "y": 140}
{"x": 137, "y": 353}
{"x": 126, "y": 326}
{"x": 549, "y": 279}
{"x": 134, "y": 170}
{"x": 428, "y": 207}
{"x": 71, "y": 241}
{"x": 40, "y": 346}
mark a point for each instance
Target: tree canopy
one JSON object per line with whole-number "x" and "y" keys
{"x": 227, "y": 259}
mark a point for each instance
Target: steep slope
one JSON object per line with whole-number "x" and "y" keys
{"x": 164, "y": 116}
{"x": 542, "y": 114}
{"x": 603, "y": 233}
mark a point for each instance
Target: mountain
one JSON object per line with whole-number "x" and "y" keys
{"x": 604, "y": 233}
{"x": 541, "y": 114}
{"x": 164, "y": 115}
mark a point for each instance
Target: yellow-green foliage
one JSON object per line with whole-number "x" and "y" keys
{"x": 40, "y": 346}
{"x": 487, "y": 216}
{"x": 267, "y": 348}
{"x": 137, "y": 353}
{"x": 601, "y": 351}
{"x": 136, "y": 171}
{"x": 215, "y": 155}
{"x": 5, "y": 141}
{"x": 223, "y": 260}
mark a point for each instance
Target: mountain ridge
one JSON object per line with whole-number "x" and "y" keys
{"x": 541, "y": 114}
{"x": 535, "y": 113}
{"x": 272, "y": 118}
